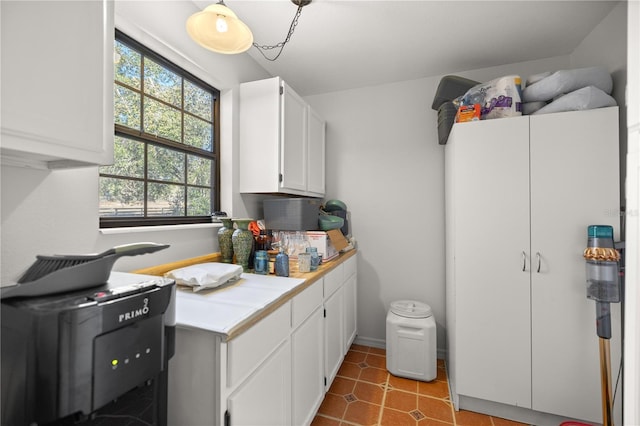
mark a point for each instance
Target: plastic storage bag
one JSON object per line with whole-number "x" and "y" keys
{"x": 497, "y": 98}
{"x": 566, "y": 81}
{"x": 529, "y": 108}
{"x": 582, "y": 99}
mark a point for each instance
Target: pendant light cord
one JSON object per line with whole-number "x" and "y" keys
{"x": 262, "y": 48}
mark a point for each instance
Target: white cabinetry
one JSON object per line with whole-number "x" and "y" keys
{"x": 340, "y": 315}
{"x": 258, "y": 380}
{"x": 316, "y": 154}
{"x": 282, "y": 141}
{"x": 333, "y": 335}
{"x": 57, "y": 83}
{"x": 274, "y": 373}
{"x": 520, "y": 193}
{"x": 307, "y": 356}
{"x": 265, "y": 398}
{"x": 350, "y": 302}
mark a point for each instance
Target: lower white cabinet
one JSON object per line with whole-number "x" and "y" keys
{"x": 350, "y": 301}
{"x": 340, "y": 305}
{"x": 274, "y": 373}
{"x": 265, "y": 397}
{"x": 258, "y": 369}
{"x": 333, "y": 332}
{"x": 307, "y": 376}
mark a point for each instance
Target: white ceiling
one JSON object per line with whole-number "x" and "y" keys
{"x": 345, "y": 44}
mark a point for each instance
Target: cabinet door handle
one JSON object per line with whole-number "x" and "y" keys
{"x": 539, "y": 259}
{"x": 524, "y": 261}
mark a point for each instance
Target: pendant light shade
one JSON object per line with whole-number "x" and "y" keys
{"x": 218, "y": 29}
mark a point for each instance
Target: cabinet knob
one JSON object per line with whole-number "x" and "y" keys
{"x": 539, "y": 260}
{"x": 524, "y": 261}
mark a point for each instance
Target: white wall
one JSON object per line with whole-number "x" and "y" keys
{"x": 45, "y": 212}
{"x": 384, "y": 161}
{"x": 607, "y": 45}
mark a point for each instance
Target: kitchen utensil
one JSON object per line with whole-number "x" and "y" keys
{"x": 327, "y": 222}
{"x": 44, "y": 265}
{"x": 55, "y": 274}
{"x": 333, "y": 205}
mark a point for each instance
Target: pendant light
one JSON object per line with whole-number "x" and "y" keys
{"x": 217, "y": 28}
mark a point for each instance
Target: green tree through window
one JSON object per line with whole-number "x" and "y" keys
{"x": 166, "y": 146}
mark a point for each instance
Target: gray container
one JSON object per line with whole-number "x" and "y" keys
{"x": 292, "y": 214}
{"x": 450, "y": 87}
{"x": 446, "y": 118}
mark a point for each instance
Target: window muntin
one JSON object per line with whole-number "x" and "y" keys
{"x": 165, "y": 152}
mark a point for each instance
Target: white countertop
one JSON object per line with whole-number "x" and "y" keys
{"x": 221, "y": 309}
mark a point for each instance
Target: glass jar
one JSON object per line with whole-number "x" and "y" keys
{"x": 304, "y": 262}
{"x": 282, "y": 264}
{"x": 315, "y": 259}
{"x": 261, "y": 263}
{"x": 263, "y": 242}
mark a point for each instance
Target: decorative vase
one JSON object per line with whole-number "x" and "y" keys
{"x": 224, "y": 240}
{"x": 242, "y": 240}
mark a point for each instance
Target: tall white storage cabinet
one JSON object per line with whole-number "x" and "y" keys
{"x": 520, "y": 193}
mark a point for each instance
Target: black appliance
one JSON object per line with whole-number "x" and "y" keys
{"x": 92, "y": 356}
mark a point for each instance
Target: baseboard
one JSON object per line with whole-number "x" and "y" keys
{"x": 369, "y": 341}
{"x": 518, "y": 414}
{"x": 382, "y": 344}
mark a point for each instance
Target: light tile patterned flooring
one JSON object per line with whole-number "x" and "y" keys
{"x": 365, "y": 393}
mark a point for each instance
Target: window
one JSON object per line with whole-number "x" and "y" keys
{"x": 166, "y": 150}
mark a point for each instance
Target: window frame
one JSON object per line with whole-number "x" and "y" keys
{"x": 150, "y": 139}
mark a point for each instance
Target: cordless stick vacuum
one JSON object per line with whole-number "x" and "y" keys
{"x": 603, "y": 286}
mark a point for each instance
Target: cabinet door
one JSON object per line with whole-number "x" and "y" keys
{"x": 58, "y": 58}
{"x": 316, "y": 154}
{"x": 333, "y": 335}
{"x": 260, "y": 122}
{"x": 574, "y": 184}
{"x": 265, "y": 397}
{"x": 490, "y": 238}
{"x": 350, "y": 311}
{"x": 294, "y": 140}
{"x": 307, "y": 369}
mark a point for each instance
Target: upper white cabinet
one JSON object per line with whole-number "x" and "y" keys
{"x": 316, "y": 154}
{"x": 520, "y": 194}
{"x": 57, "y": 83}
{"x": 282, "y": 141}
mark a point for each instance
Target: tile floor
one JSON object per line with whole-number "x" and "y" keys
{"x": 364, "y": 393}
